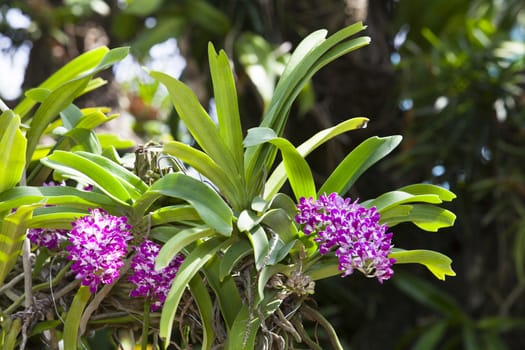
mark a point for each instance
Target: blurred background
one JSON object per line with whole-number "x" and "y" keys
{"x": 446, "y": 75}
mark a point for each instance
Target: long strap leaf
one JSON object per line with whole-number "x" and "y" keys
{"x": 357, "y": 162}
{"x": 313, "y": 53}
{"x": 50, "y": 108}
{"x": 82, "y": 169}
{"x": 230, "y": 185}
{"x": 205, "y": 305}
{"x": 226, "y": 103}
{"x": 12, "y": 235}
{"x": 197, "y": 121}
{"x": 55, "y": 195}
{"x": 74, "y": 315}
{"x": 297, "y": 169}
{"x": 439, "y": 264}
{"x": 210, "y": 206}
{"x": 189, "y": 268}
{"x": 70, "y": 71}
{"x": 278, "y": 177}
{"x": 12, "y": 150}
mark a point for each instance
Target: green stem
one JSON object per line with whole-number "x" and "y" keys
{"x": 145, "y": 324}
{"x": 316, "y": 316}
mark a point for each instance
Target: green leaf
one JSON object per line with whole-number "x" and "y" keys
{"x": 107, "y": 140}
{"x": 247, "y": 220}
{"x": 232, "y": 256}
{"x": 243, "y": 333}
{"x": 260, "y": 244}
{"x": 500, "y": 324}
{"x": 167, "y": 27}
{"x": 75, "y": 139}
{"x": 470, "y": 338}
{"x": 439, "y": 191}
{"x": 284, "y": 202}
{"x": 312, "y": 54}
{"x": 429, "y": 295}
{"x": 56, "y": 102}
{"x": 110, "y": 58}
{"x": 94, "y": 84}
{"x": 64, "y": 89}
{"x": 180, "y": 240}
{"x": 229, "y": 184}
{"x": 189, "y": 268}
{"x": 171, "y": 213}
{"x": 205, "y": 305}
{"x": 304, "y": 63}
{"x": 11, "y": 328}
{"x": 340, "y": 50}
{"x": 37, "y": 94}
{"x": 79, "y": 139}
{"x": 426, "y": 217}
{"x": 297, "y": 169}
{"x": 142, "y": 8}
{"x": 70, "y": 116}
{"x": 357, "y": 162}
{"x": 227, "y": 106}
{"x": 134, "y": 185}
{"x": 267, "y": 272}
{"x": 42, "y": 326}
{"x": 12, "y": 234}
{"x": 74, "y": 314}
{"x": 225, "y": 290}
{"x": 83, "y": 170}
{"x": 208, "y": 17}
{"x": 280, "y": 222}
{"x": 210, "y": 206}
{"x": 278, "y": 177}
{"x": 55, "y": 217}
{"x": 198, "y": 122}
{"x": 392, "y": 217}
{"x": 392, "y": 199}
{"x": 262, "y": 62}
{"x": 437, "y": 263}
{"x": 430, "y": 338}
{"x": 13, "y": 150}
{"x": 325, "y": 268}
{"x": 71, "y": 70}
{"x": 56, "y": 195}
{"x": 302, "y": 50}
{"x": 93, "y": 118}
{"x": 279, "y": 250}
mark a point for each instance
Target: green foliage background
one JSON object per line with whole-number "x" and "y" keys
{"x": 448, "y": 76}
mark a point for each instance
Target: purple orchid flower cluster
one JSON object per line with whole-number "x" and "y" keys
{"x": 98, "y": 244}
{"x": 353, "y": 231}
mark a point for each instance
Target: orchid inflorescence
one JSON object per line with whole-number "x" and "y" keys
{"x": 98, "y": 244}
{"x": 353, "y": 231}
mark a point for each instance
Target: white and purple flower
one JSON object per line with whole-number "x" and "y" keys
{"x": 47, "y": 237}
{"x": 148, "y": 281}
{"x": 360, "y": 242}
{"x": 98, "y": 246}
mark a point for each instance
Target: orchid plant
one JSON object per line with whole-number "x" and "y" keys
{"x": 215, "y": 257}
